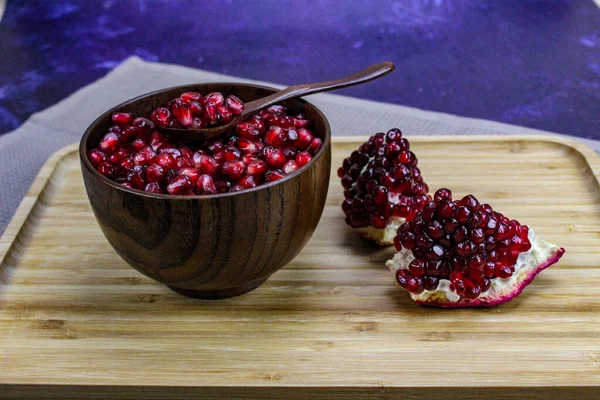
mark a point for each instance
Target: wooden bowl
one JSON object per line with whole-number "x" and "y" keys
{"x": 211, "y": 246}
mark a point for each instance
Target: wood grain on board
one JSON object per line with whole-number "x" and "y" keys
{"x": 77, "y": 321}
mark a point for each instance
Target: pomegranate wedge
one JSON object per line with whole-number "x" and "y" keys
{"x": 382, "y": 186}
{"x": 465, "y": 254}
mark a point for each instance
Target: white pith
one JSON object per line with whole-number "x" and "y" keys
{"x": 527, "y": 261}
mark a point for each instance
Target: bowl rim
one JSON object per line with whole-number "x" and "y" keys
{"x": 88, "y": 165}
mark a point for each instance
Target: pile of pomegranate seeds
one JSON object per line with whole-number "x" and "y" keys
{"x": 381, "y": 180}
{"x": 463, "y": 241}
{"x": 265, "y": 148}
{"x": 191, "y": 110}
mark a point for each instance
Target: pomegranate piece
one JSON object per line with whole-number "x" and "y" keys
{"x": 153, "y": 187}
{"x": 474, "y": 263}
{"x": 381, "y": 191}
{"x": 188, "y": 97}
{"x": 214, "y": 99}
{"x": 256, "y": 168}
{"x": 274, "y": 157}
{"x": 303, "y": 158}
{"x": 290, "y": 167}
{"x": 155, "y": 173}
{"x": 274, "y": 175}
{"x": 146, "y": 156}
{"x": 182, "y": 112}
{"x": 106, "y": 169}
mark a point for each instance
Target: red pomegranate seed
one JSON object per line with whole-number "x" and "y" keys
{"x": 303, "y": 158}
{"x": 96, "y": 157}
{"x": 247, "y": 182}
{"x": 207, "y": 165}
{"x": 248, "y": 146}
{"x": 109, "y": 143}
{"x": 234, "y": 170}
{"x": 274, "y": 157}
{"x": 256, "y": 168}
{"x": 138, "y": 144}
{"x": 236, "y": 188}
{"x": 122, "y": 119}
{"x": 300, "y": 121}
{"x": 273, "y": 136}
{"x": 161, "y": 117}
{"x": 234, "y": 104}
{"x": 137, "y": 177}
{"x": 118, "y": 155}
{"x": 127, "y": 184}
{"x": 305, "y": 137}
{"x": 192, "y": 173}
{"x": 166, "y": 161}
{"x": 211, "y": 116}
{"x": 146, "y": 126}
{"x": 290, "y": 167}
{"x": 223, "y": 186}
{"x": 107, "y": 170}
{"x": 206, "y": 185}
{"x": 145, "y": 156}
{"x": 274, "y": 175}
{"x": 247, "y": 130}
{"x": 155, "y": 173}
{"x": 214, "y": 99}
{"x": 153, "y": 187}
{"x": 225, "y": 115}
{"x": 182, "y": 112}
{"x": 190, "y": 96}
{"x": 181, "y": 185}
{"x": 315, "y": 146}
{"x": 231, "y": 153}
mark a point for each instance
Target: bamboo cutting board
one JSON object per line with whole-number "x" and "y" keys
{"x": 76, "y": 321}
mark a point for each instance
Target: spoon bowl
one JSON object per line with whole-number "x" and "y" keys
{"x": 198, "y": 135}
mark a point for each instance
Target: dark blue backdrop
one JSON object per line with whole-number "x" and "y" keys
{"x": 533, "y": 63}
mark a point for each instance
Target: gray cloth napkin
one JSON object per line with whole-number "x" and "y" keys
{"x": 24, "y": 151}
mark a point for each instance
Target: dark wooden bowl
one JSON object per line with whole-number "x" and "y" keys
{"x": 212, "y": 246}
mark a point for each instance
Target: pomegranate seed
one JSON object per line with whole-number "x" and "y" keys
{"x": 248, "y": 146}
{"x": 166, "y": 161}
{"x": 231, "y": 153}
{"x": 273, "y": 175}
{"x": 145, "y": 156}
{"x": 223, "y": 186}
{"x": 161, "y": 117}
{"x": 315, "y": 146}
{"x": 225, "y": 115}
{"x": 207, "y": 165}
{"x": 138, "y": 145}
{"x": 234, "y": 104}
{"x": 96, "y": 157}
{"x": 190, "y": 96}
{"x": 300, "y": 121}
{"x": 304, "y": 140}
{"x": 192, "y": 173}
{"x": 214, "y": 99}
{"x": 155, "y": 173}
{"x": 274, "y": 157}
{"x": 109, "y": 143}
{"x": 126, "y": 165}
{"x": 107, "y": 170}
{"x": 137, "y": 177}
{"x": 182, "y": 112}
{"x": 256, "y": 168}
{"x": 153, "y": 187}
{"x": 247, "y": 130}
{"x": 206, "y": 185}
{"x": 234, "y": 169}
{"x": 146, "y": 126}
{"x": 211, "y": 116}
{"x": 273, "y": 136}
{"x": 122, "y": 119}
{"x": 236, "y": 188}
{"x": 289, "y": 167}
{"x": 247, "y": 182}
{"x": 303, "y": 158}
{"x": 181, "y": 185}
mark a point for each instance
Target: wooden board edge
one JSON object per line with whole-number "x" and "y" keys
{"x": 296, "y": 392}
{"x": 31, "y": 198}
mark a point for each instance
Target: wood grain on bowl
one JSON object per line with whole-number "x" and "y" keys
{"x": 218, "y": 245}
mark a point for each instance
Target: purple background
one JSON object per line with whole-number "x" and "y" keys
{"x": 526, "y": 62}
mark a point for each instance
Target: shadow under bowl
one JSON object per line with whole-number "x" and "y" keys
{"x": 210, "y": 246}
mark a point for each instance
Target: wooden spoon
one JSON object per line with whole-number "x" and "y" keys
{"x": 292, "y": 92}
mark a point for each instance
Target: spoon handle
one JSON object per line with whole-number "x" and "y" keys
{"x": 368, "y": 74}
